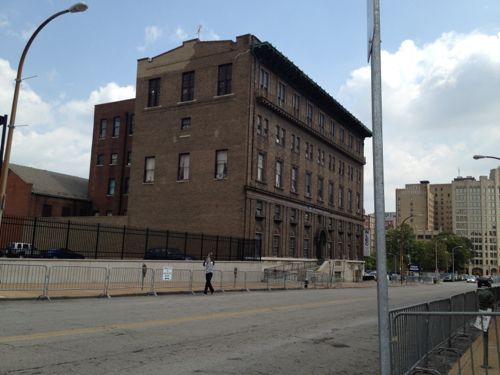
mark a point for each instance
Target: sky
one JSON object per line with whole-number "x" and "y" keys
{"x": 440, "y": 72}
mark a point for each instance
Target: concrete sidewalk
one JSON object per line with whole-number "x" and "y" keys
{"x": 472, "y": 361}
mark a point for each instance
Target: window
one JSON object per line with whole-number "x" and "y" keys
{"x": 185, "y": 123}
{"x": 259, "y": 209}
{"x": 295, "y": 144}
{"x": 225, "y": 78}
{"x": 349, "y": 199}
{"x": 358, "y": 203}
{"x": 183, "y": 170}
{"x": 129, "y": 157}
{"x": 320, "y": 188}
{"x": 262, "y": 126}
{"x": 294, "y": 180}
{"x": 276, "y": 245}
{"x": 279, "y": 174}
{"x": 220, "y": 164}
{"x": 100, "y": 159}
{"x": 264, "y": 79}
{"x": 341, "y": 197}
{"x": 330, "y": 193}
{"x": 292, "y": 247}
{"x": 116, "y": 126}
{"x": 114, "y": 159}
{"x": 307, "y": 184}
{"x": 47, "y": 210}
{"x": 131, "y": 124}
{"x": 341, "y": 135}
{"x": 293, "y": 215}
{"x": 350, "y": 141}
{"x": 261, "y": 167}
{"x": 154, "y": 92}
{"x": 103, "y": 127}
{"x": 187, "y": 90}
{"x": 321, "y": 123}
{"x": 296, "y": 105}
{"x": 281, "y": 94}
{"x": 111, "y": 186}
{"x": 126, "y": 183}
{"x": 280, "y": 135}
{"x": 149, "y": 169}
{"x": 277, "y": 212}
{"x": 309, "y": 114}
{"x": 306, "y": 247}
{"x": 332, "y": 129}
{"x": 259, "y": 124}
{"x": 258, "y": 242}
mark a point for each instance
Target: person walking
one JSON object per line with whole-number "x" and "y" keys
{"x": 209, "y": 265}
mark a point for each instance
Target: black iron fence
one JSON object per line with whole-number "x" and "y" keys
{"x": 100, "y": 241}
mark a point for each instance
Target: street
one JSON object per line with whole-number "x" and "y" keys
{"x": 280, "y": 332}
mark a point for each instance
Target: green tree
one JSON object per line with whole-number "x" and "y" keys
{"x": 400, "y": 244}
{"x": 370, "y": 263}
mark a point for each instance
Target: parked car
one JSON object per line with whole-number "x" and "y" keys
{"x": 484, "y": 281}
{"x": 21, "y": 250}
{"x": 448, "y": 277}
{"x": 62, "y": 253}
{"x": 166, "y": 253}
{"x": 471, "y": 279}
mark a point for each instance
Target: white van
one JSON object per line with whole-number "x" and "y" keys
{"x": 21, "y": 250}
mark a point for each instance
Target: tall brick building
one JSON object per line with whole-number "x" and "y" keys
{"x": 231, "y": 138}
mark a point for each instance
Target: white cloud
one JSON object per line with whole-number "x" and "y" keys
{"x": 180, "y": 35}
{"x": 440, "y": 105}
{"x": 151, "y": 35}
{"x": 59, "y": 134}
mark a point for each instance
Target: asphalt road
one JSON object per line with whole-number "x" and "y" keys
{"x": 280, "y": 332}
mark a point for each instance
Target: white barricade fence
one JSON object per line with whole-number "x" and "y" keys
{"x": 199, "y": 280}
{"x": 168, "y": 279}
{"x": 255, "y": 280}
{"x": 130, "y": 279}
{"x": 76, "y": 278}
{"x": 23, "y": 277}
{"x": 233, "y": 280}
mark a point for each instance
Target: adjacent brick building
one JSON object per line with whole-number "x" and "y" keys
{"x": 111, "y": 157}
{"x": 35, "y": 192}
{"x": 233, "y": 139}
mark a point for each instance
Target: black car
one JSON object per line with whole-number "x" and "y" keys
{"x": 484, "y": 281}
{"x": 62, "y": 253}
{"x": 166, "y": 253}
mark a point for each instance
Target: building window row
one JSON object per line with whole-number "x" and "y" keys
{"x": 188, "y": 83}
{"x": 113, "y": 159}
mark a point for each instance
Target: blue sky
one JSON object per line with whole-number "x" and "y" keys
{"x": 440, "y": 61}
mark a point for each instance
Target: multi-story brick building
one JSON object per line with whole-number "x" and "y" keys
{"x": 443, "y": 215}
{"x": 415, "y": 207}
{"x": 111, "y": 157}
{"x": 233, "y": 139}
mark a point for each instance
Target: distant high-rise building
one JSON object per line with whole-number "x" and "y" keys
{"x": 443, "y": 215}
{"x": 476, "y": 215}
{"x": 415, "y": 207}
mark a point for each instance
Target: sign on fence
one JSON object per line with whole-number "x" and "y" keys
{"x": 167, "y": 274}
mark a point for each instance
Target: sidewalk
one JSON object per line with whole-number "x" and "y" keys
{"x": 471, "y": 362}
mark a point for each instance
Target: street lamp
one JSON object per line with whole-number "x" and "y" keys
{"x": 79, "y": 7}
{"x": 453, "y": 259}
{"x": 476, "y": 157}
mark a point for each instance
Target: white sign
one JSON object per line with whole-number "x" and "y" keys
{"x": 483, "y": 322}
{"x": 167, "y": 274}
{"x": 366, "y": 243}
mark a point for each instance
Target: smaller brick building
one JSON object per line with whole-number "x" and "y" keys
{"x": 35, "y": 192}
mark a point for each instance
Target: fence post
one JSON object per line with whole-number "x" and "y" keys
{"x": 97, "y": 239}
{"x": 185, "y": 242}
{"x": 67, "y": 234}
{"x": 34, "y": 232}
{"x": 146, "y": 242}
{"x": 216, "y": 247}
{"x": 123, "y": 240}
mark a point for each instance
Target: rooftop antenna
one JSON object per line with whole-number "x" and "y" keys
{"x": 198, "y": 32}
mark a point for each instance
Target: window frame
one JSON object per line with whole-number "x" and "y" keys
{"x": 154, "y": 87}
{"x": 187, "y": 86}
{"x": 222, "y": 163}
{"x": 183, "y": 166}
{"x": 224, "y": 80}
{"x": 149, "y": 170}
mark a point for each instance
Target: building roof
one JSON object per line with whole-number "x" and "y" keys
{"x": 278, "y": 62}
{"x": 52, "y": 183}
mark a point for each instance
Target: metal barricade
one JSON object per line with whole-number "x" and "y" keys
{"x": 128, "y": 280}
{"x": 62, "y": 279}
{"x": 232, "y": 280}
{"x": 20, "y": 277}
{"x": 172, "y": 280}
{"x": 255, "y": 280}
{"x": 199, "y": 280}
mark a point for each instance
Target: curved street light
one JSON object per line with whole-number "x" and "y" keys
{"x": 78, "y": 7}
{"x": 476, "y": 157}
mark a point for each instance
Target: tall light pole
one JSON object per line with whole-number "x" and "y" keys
{"x": 485, "y": 157}
{"x": 79, "y": 7}
{"x": 453, "y": 259}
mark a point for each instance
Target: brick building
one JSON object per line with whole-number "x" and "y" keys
{"x": 233, "y": 139}
{"x": 36, "y": 192}
{"x": 111, "y": 157}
